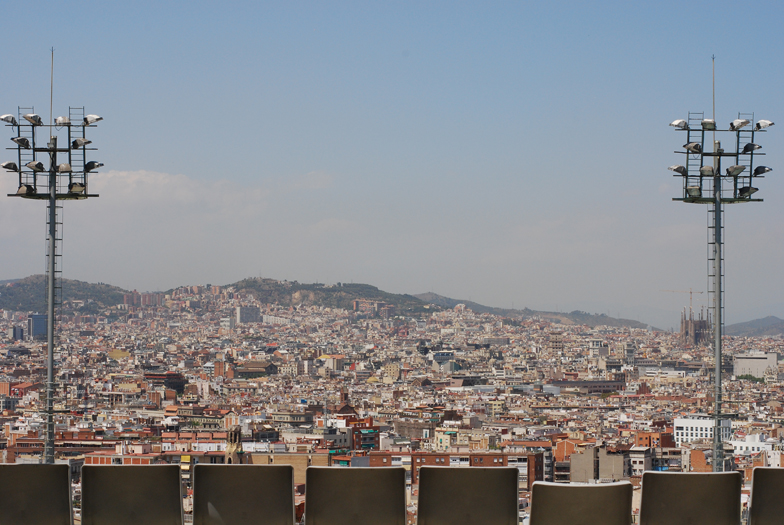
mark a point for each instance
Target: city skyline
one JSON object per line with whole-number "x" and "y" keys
{"x": 513, "y": 156}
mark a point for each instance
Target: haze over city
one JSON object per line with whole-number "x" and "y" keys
{"x": 513, "y": 154}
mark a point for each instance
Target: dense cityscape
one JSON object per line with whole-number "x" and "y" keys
{"x": 252, "y": 210}
{"x": 206, "y": 374}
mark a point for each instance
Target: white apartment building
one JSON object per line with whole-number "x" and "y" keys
{"x": 772, "y": 459}
{"x": 751, "y": 445}
{"x": 699, "y": 426}
{"x": 756, "y": 364}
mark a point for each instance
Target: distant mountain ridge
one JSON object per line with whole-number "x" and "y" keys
{"x": 575, "y": 317}
{"x": 29, "y": 295}
{"x": 770, "y": 326}
{"x": 448, "y": 302}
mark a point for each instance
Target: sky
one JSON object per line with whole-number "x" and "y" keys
{"x": 510, "y": 153}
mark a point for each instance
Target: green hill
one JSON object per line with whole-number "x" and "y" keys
{"x": 29, "y": 294}
{"x": 340, "y": 295}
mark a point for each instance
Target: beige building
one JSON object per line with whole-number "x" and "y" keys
{"x": 300, "y": 462}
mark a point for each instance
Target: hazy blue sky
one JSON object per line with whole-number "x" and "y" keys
{"x": 513, "y": 153}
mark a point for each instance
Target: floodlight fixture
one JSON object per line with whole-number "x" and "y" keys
{"x": 23, "y": 142}
{"x": 747, "y": 191}
{"x": 748, "y": 148}
{"x": 64, "y": 168}
{"x": 26, "y": 189}
{"x": 33, "y": 119}
{"x": 762, "y": 124}
{"x": 679, "y": 124}
{"x": 738, "y": 123}
{"x": 681, "y": 170}
{"x": 79, "y": 143}
{"x": 694, "y": 147}
{"x": 76, "y": 187}
{"x": 693, "y": 191}
{"x": 91, "y": 119}
{"x": 36, "y": 165}
{"x": 707, "y": 171}
{"x": 62, "y": 121}
{"x": 10, "y": 166}
{"x": 8, "y": 118}
{"x": 761, "y": 170}
{"x": 734, "y": 171}
{"x": 92, "y": 165}
{"x": 708, "y": 124}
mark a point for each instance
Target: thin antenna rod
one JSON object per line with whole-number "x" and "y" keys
{"x": 51, "y": 92}
{"x": 713, "y": 60}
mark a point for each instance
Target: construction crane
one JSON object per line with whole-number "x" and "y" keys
{"x": 689, "y": 291}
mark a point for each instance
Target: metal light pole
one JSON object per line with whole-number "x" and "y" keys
{"x": 718, "y": 318}
{"x": 704, "y": 183}
{"x": 65, "y": 181}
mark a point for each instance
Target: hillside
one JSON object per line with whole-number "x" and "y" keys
{"x": 340, "y": 295}
{"x": 29, "y": 294}
{"x": 448, "y": 302}
{"x": 576, "y": 317}
{"x": 766, "y": 327}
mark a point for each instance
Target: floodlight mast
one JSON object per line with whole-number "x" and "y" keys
{"x": 51, "y": 246}
{"x": 718, "y": 444}
{"x": 76, "y": 184}
{"x": 695, "y": 179}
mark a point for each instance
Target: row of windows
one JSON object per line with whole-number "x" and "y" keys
{"x": 750, "y": 449}
{"x": 696, "y": 429}
{"x": 482, "y": 460}
{"x": 443, "y": 460}
{"x": 422, "y": 460}
{"x": 693, "y": 434}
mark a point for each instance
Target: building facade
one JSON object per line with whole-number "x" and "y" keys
{"x": 699, "y": 427}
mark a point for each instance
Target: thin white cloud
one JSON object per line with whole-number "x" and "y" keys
{"x": 155, "y": 230}
{"x": 315, "y": 180}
